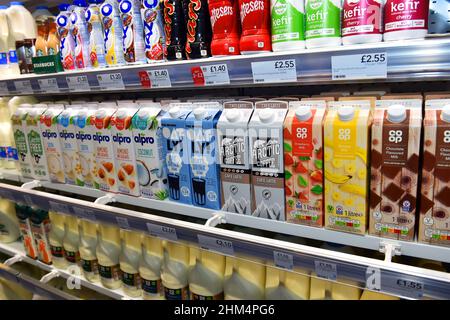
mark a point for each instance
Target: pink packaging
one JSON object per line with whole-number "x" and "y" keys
{"x": 362, "y": 21}
{"x": 405, "y": 19}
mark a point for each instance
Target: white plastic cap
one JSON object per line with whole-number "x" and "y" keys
{"x": 65, "y": 113}
{"x": 396, "y": 113}
{"x": 303, "y": 113}
{"x": 101, "y": 113}
{"x": 121, "y": 113}
{"x": 174, "y": 112}
{"x": 142, "y": 113}
{"x": 199, "y": 113}
{"x": 266, "y": 115}
{"x": 346, "y": 113}
{"x": 445, "y": 115}
{"x": 232, "y": 115}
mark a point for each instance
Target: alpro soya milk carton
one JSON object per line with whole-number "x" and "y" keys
{"x": 235, "y": 170}
{"x": 124, "y": 152}
{"x": 266, "y": 145}
{"x": 18, "y": 121}
{"x": 175, "y": 151}
{"x": 346, "y": 140}
{"x": 303, "y": 162}
{"x": 201, "y": 127}
{"x": 147, "y": 136}
{"x": 395, "y": 154}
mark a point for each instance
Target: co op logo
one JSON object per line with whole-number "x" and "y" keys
{"x": 344, "y": 134}
{"x": 447, "y": 136}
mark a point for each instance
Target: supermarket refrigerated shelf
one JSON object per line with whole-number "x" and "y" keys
{"x": 414, "y": 60}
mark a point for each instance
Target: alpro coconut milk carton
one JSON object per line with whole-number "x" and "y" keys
{"x": 175, "y": 151}
{"x": 201, "y": 127}
{"x": 234, "y": 156}
{"x": 266, "y": 145}
{"x": 147, "y": 136}
{"x": 18, "y": 121}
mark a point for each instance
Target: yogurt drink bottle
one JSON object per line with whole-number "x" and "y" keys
{"x": 112, "y": 32}
{"x": 87, "y": 247}
{"x": 288, "y": 20}
{"x": 154, "y": 35}
{"x": 323, "y": 23}
{"x": 67, "y": 44}
{"x": 150, "y": 268}
{"x": 78, "y": 28}
{"x": 362, "y": 21}
{"x": 133, "y": 31}
{"x": 95, "y": 32}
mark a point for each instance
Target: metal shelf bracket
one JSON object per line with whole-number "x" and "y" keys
{"x": 32, "y": 184}
{"x": 108, "y": 198}
{"x": 13, "y": 260}
{"x": 49, "y": 276}
{"x": 217, "y": 218}
{"x": 390, "y": 250}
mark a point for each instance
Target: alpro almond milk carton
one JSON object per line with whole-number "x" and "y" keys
{"x": 395, "y": 154}
{"x": 346, "y": 141}
{"x": 18, "y": 121}
{"x": 303, "y": 162}
{"x": 434, "y": 223}
{"x": 266, "y": 145}
{"x": 235, "y": 169}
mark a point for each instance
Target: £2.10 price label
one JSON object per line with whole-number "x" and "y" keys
{"x": 111, "y": 81}
{"x": 49, "y": 85}
{"x": 214, "y": 244}
{"x": 359, "y": 66}
{"x": 159, "y": 78}
{"x": 78, "y": 83}
{"x": 23, "y": 87}
{"x": 274, "y": 71}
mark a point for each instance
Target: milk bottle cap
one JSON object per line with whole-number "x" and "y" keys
{"x": 199, "y": 113}
{"x": 346, "y": 113}
{"x": 266, "y": 115}
{"x": 174, "y": 112}
{"x": 396, "y": 113}
{"x": 445, "y": 115}
{"x": 303, "y": 113}
{"x": 232, "y": 115}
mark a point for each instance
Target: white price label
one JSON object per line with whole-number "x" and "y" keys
{"x": 283, "y": 260}
{"x": 85, "y": 214}
{"x": 123, "y": 223}
{"x": 216, "y": 74}
{"x": 359, "y": 66}
{"x": 4, "y": 88}
{"x": 404, "y": 287}
{"x": 159, "y": 78}
{"x": 162, "y": 232}
{"x": 274, "y": 71}
{"x": 214, "y": 244}
{"x": 23, "y": 87}
{"x": 59, "y": 207}
{"x": 110, "y": 81}
{"x": 78, "y": 83}
{"x": 49, "y": 85}
{"x": 326, "y": 270}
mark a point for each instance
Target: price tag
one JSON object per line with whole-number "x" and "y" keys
{"x": 162, "y": 232}
{"x": 78, "y": 83}
{"x": 159, "y": 78}
{"x": 49, "y": 85}
{"x": 283, "y": 260}
{"x": 215, "y": 74}
{"x": 403, "y": 287}
{"x": 359, "y": 66}
{"x": 59, "y": 207}
{"x": 214, "y": 244}
{"x": 123, "y": 223}
{"x": 4, "y": 88}
{"x": 23, "y": 87}
{"x": 85, "y": 214}
{"x": 274, "y": 71}
{"x": 111, "y": 81}
{"x": 326, "y": 270}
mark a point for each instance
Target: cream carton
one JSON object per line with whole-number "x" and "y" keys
{"x": 346, "y": 141}
{"x": 235, "y": 170}
{"x": 124, "y": 151}
{"x": 303, "y": 162}
{"x": 266, "y": 145}
{"x": 394, "y": 182}
{"x": 434, "y": 223}
{"x": 18, "y": 121}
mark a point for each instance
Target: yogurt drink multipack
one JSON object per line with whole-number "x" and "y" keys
{"x": 266, "y": 145}
{"x": 235, "y": 170}
{"x": 18, "y": 121}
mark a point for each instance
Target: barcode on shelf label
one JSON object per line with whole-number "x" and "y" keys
{"x": 215, "y": 74}
{"x": 78, "y": 83}
{"x": 123, "y": 223}
{"x": 326, "y": 270}
{"x": 159, "y": 78}
{"x": 23, "y": 87}
{"x": 359, "y": 66}
{"x": 49, "y": 85}
{"x": 283, "y": 260}
{"x": 214, "y": 244}
{"x": 162, "y": 232}
{"x": 111, "y": 81}
{"x": 84, "y": 213}
{"x": 274, "y": 71}
{"x": 4, "y": 88}
{"x": 59, "y": 207}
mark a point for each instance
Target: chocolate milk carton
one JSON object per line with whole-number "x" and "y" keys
{"x": 175, "y": 151}
{"x": 394, "y": 179}
{"x": 266, "y": 145}
{"x": 235, "y": 170}
{"x": 303, "y": 162}
{"x": 346, "y": 141}
{"x": 434, "y": 223}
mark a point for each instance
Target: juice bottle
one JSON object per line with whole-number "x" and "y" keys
{"x": 108, "y": 252}
{"x": 285, "y": 285}
{"x": 174, "y": 272}
{"x": 150, "y": 268}
{"x": 40, "y": 226}
{"x": 42, "y": 34}
{"x": 23, "y": 213}
{"x": 129, "y": 263}
{"x": 88, "y": 245}
{"x": 56, "y": 239}
{"x": 52, "y": 39}
{"x": 244, "y": 280}
{"x": 71, "y": 240}
{"x": 9, "y": 225}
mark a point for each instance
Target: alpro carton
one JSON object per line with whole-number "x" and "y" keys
{"x": 303, "y": 162}
{"x": 395, "y": 154}
{"x": 266, "y": 145}
{"x": 124, "y": 151}
{"x": 18, "y": 121}
{"x": 434, "y": 223}
{"x": 204, "y": 165}
{"x": 147, "y": 136}
{"x": 235, "y": 170}
{"x": 175, "y": 151}
{"x": 346, "y": 141}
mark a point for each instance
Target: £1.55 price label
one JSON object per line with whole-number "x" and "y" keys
{"x": 111, "y": 81}
{"x": 274, "y": 71}
{"x": 359, "y": 66}
{"x": 405, "y": 287}
{"x": 78, "y": 83}
{"x": 49, "y": 85}
{"x": 214, "y": 244}
{"x": 159, "y": 78}
{"x": 23, "y": 87}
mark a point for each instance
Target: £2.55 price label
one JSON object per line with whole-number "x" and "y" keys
{"x": 49, "y": 85}
{"x": 111, "y": 81}
{"x": 162, "y": 232}
{"x": 78, "y": 83}
{"x": 214, "y": 244}
{"x": 274, "y": 71}
{"x": 23, "y": 87}
{"x": 159, "y": 78}
{"x": 359, "y": 66}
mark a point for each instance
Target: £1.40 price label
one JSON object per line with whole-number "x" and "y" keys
{"x": 215, "y": 74}
{"x": 111, "y": 81}
{"x": 215, "y": 244}
{"x": 78, "y": 83}
{"x": 359, "y": 66}
{"x": 274, "y": 71}
{"x": 159, "y": 78}
{"x": 49, "y": 85}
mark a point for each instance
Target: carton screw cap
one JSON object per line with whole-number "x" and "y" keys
{"x": 232, "y": 115}
{"x": 174, "y": 112}
{"x": 346, "y": 113}
{"x": 396, "y": 113}
{"x": 445, "y": 115}
{"x": 303, "y": 113}
{"x": 266, "y": 115}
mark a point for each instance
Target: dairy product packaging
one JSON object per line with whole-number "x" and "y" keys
{"x": 124, "y": 151}
{"x": 288, "y": 24}
{"x": 175, "y": 151}
{"x": 150, "y": 268}
{"x": 154, "y": 35}
{"x": 133, "y": 31}
{"x": 56, "y": 238}
{"x": 40, "y": 226}
{"x": 434, "y": 223}
{"x": 95, "y": 34}
{"x": 108, "y": 253}
{"x": 323, "y": 23}
{"x": 362, "y": 21}
{"x": 78, "y": 28}
{"x": 23, "y": 213}
{"x": 52, "y": 143}
{"x": 394, "y": 178}
{"x": 255, "y": 24}
{"x": 203, "y": 153}
{"x": 266, "y": 145}
{"x": 18, "y": 120}
{"x": 244, "y": 279}
{"x": 147, "y": 136}
{"x": 286, "y": 285}
{"x": 112, "y": 31}
{"x": 235, "y": 170}
{"x": 175, "y": 271}
{"x": 346, "y": 141}
{"x": 225, "y": 24}
{"x": 303, "y": 162}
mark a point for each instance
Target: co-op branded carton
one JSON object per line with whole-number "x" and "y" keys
{"x": 147, "y": 136}
{"x": 346, "y": 141}
{"x": 124, "y": 152}
{"x": 235, "y": 170}
{"x": 175, "y": 151}
{"x": 434, "y": 221}
{"x": 266, "y": 145}
{"x": 18, "y": 121}
{"x": 394, "y": 178}
{"x": 204, "y": 166}
{"x": 303, "y": 162}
